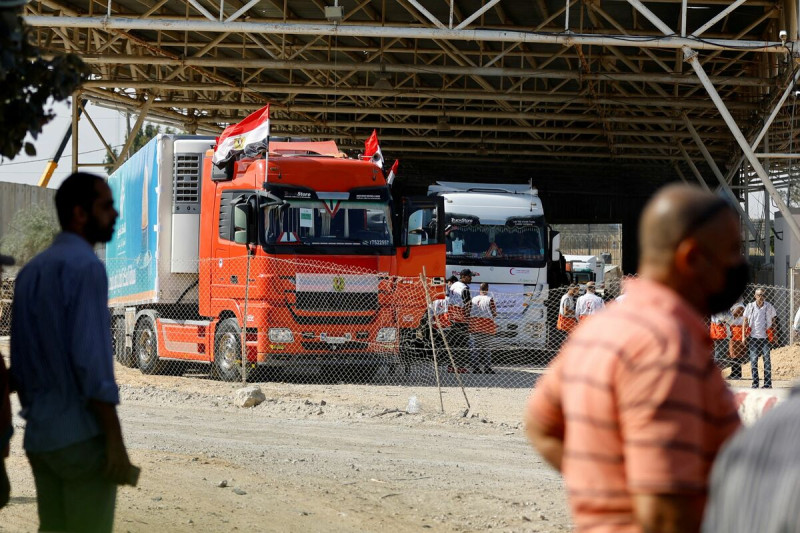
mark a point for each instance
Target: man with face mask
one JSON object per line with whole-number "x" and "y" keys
{"x": 633, "y": 410}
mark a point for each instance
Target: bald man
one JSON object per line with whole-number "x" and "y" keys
{"x": 633, "y": 409}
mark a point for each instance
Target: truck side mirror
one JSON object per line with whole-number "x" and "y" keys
{"x": 244, "y": 220}
{"x": 241, "y": 222}
{"x": 555, "y": 247}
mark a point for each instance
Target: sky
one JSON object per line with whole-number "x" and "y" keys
{"x": 28, "y": 169}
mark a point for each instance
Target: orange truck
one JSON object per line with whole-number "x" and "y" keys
{"x": 305, "y": 249}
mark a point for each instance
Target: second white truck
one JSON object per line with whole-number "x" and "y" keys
{"x": 499, "y": 232}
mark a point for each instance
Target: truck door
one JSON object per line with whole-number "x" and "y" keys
{"x": 421, "y": 239}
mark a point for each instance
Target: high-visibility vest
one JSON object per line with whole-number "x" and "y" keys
{"x": 566, "y": 323}
{"x": 770, "y": 335}
{"x": 440, "y": 313}
{"x": 481, "y": 319}
{"x": 736, "y": 332}
{"x": 718, "y": 331}
{"x": 456, "y": 306}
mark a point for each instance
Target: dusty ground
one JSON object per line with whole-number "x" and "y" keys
{"x": 319, "y": 457}
{"x": 785, "y": 366}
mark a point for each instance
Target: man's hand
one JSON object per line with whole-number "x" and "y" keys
{"x": 5, "y": 484}
{"x": 550, "y": 447}
{"x": 668, "y": 513}
{"x": 117, "y": 462}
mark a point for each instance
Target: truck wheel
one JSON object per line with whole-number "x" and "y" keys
{"x": 145, "y": 345}
{"x": 228, "y": 350}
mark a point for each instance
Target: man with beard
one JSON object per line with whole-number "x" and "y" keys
{"x": 62, "y": 366}
{"x": 633, "y": 410}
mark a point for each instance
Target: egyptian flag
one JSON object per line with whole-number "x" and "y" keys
{"x": 372, "y": 150}
{"x": 393, "y": 172}
{"x": 250, "y": 136}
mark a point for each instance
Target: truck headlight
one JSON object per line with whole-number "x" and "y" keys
{"x": 386, "y": 335}
{"x": 280, "y": 335}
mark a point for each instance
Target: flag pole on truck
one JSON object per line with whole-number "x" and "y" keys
{"x": 248, "y": 137}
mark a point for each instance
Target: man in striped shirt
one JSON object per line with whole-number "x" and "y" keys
{"x": 633, "y": 410}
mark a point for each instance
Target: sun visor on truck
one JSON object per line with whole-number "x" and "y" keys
{"x": 290, "y": 192}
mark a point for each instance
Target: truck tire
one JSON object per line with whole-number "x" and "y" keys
{"x": 121, "y": 352}
{"x": 228, "y": 350}
{"x": 145, "y": 345}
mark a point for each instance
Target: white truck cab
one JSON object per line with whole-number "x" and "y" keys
{"x": 499, "y": 232}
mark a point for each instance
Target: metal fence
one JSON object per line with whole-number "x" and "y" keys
{"x": 312, "y": 321}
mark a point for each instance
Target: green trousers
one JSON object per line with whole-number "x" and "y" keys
{"x": 72, "y": 494}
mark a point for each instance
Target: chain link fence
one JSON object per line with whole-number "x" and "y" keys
{"x": 254, "y": 319}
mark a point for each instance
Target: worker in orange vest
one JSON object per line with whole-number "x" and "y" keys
{"x": 566, "y": 313}
{"x": 737, "y": 352}
{"x": 483, "y": 329}
{"x": 718, "y": 331}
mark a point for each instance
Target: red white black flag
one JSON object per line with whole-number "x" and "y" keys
{"x": 372, "y": 150}
{"x": 250, "y": 136}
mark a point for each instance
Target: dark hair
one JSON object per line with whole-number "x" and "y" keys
{"x": 484, "y": 286}
{"x": 452, "y": 279}
{"x": 79, "y": 189}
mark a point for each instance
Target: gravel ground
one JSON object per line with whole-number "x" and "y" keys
{"x": 320, "y": 457}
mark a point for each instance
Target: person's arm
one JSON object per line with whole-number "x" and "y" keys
{"x": 493, "y": 308}
{"x": 93, "y": 362}
{"x": 745, "y": 324}
{"x": 549, "y": 445}
{"x": 117, "y": 462}
{"x": 467, "y": 302}
{"x": 544, "y": 416}
{"x": 668, "y": 513}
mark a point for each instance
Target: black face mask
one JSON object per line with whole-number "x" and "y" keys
{"x": 735, "y": 283}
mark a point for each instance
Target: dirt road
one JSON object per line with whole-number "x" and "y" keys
{"x": 319, "y": 457}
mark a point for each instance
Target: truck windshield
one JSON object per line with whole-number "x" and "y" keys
{"x": 484, "y": 244}
{"x": 326, "y": 223}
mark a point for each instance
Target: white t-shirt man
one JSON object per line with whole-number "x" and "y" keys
{"x": 759, "y": 319}
{"x": 588, "y": 304}
{"x": 567, "y": 306}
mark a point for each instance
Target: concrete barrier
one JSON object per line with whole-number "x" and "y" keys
{"x": 754, "y": 403}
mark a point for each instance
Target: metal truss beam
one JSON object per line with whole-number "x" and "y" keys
{"x": 377, "y": 32}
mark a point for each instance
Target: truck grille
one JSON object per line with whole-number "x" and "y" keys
{"x": 333, "y": 301}
{"x": 186, "y": 182}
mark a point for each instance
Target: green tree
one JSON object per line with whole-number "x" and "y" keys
{"x": 28, "y": 82}
{"x": 31, "y": 230}
{"x": 142, "y": 137}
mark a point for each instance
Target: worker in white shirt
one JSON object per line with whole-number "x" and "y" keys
{"x": 566, "y": 315}
{"x": 483, "y": 329}
{"x": 459, "y": 310}
{"x": 589, "y": 303}
{"x": 759, "y": 320}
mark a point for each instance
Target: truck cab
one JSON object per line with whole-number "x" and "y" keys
{"x": 499, "y": 232}
{"x": 298, "y": 261}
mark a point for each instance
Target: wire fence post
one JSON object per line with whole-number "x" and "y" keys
{"x": 424, "y": 281}
{"x": 243, "y": 341}
{"x": 446, "y": 344}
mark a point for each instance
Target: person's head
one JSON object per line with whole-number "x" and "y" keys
{"x": 759, "y": 297}
{"x": 689, "y": 240}
{"x": 573, "y": 290}
{"x": 466, "y": 276}
{"x": 484, "y": 288}
{"x": 590, "y": 286}
{"x": 85, "y": 206}
{"x": 737, "y": 310}
{"x": 451, "y": 280}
